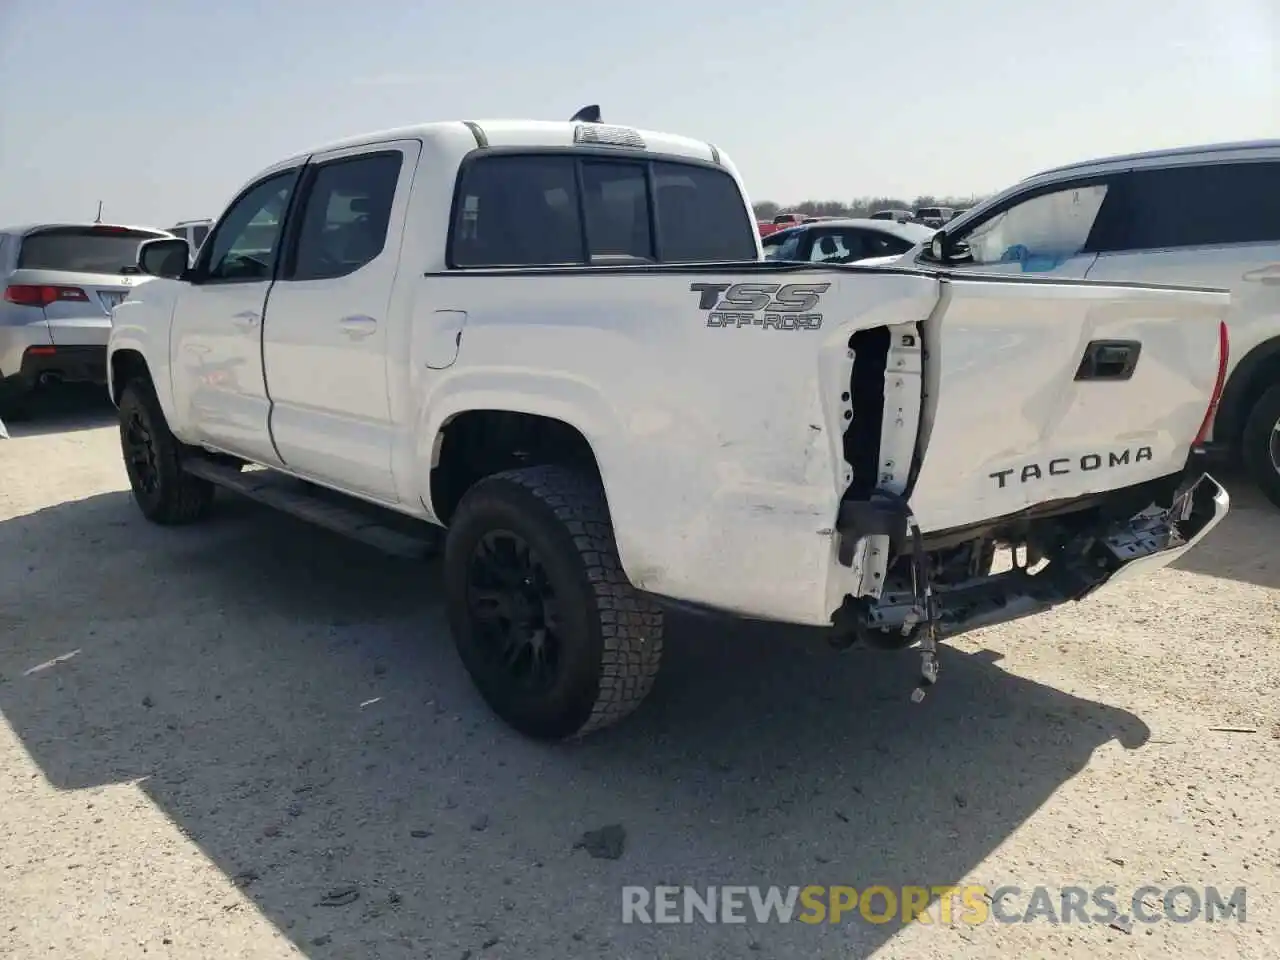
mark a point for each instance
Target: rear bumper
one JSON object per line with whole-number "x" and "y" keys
{"x": 15, "y": 338}
{"x": 1153, "y": 542}
{"x": 44, "y": 362}
{"x": 1093, "y": 561}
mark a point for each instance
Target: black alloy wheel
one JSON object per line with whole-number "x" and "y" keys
{"x": 140, "y": 454}
{"x": 514, "y": 609}
{"x": 163, "y": 491}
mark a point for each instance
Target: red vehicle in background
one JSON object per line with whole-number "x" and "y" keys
{"x": 782, "y": 221}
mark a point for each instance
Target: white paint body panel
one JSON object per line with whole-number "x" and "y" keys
{"x": 1251, "y": 271}
{"x": 720, "y": 447}
{"x": 1003, "y": 395}
{"x": 218, "y": 383}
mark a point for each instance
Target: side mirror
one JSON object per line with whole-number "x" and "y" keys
{"x": 943, "y": 248}
{"x": 167, "y": 257}
{"x": 938, "y": 246}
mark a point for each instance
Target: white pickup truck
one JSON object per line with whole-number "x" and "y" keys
{"x": 554, "y": 348}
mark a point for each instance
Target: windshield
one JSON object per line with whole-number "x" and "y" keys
{"x": 82, "y": 249}
{"x": 930, "y": 212}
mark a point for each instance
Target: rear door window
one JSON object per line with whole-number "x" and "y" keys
{"x": 1195, "y": 206}
{"x": 90, "y": 249}
{"x": 345, "y": 219}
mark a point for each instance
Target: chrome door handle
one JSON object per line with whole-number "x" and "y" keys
{"x": 246, "y": 318}
{"x": 358, "y": 327}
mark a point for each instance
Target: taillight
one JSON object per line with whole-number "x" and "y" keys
{"x": 1224, "y": 350}
{"x": 41, "y": 295}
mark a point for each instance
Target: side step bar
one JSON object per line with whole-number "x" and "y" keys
{"x": 382, "y": 529}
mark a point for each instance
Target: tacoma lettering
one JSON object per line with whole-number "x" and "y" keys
{"x": 1061, "y": 466}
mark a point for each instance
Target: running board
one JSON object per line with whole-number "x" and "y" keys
{"x": 389, "y": 532}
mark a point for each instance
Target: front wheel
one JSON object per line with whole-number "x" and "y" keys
{"x": 554, "y": 636}
{"x": 163, "y": 491}
{"x": 1260, "y": 444}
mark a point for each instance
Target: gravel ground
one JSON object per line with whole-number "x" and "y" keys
{"x": 254, "y": 739}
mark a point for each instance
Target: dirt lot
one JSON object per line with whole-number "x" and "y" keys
{"x": 253, "y": 739}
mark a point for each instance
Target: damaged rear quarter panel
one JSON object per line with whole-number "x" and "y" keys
{"x": 723, "y": 465}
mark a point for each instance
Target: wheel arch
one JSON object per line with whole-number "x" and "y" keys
{"x": 474, "y": 435}
{"x": 1256, "y": 371}
{"x": 125, "y": 364}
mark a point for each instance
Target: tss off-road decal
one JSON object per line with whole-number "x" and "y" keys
{"x": 770, "y": 306}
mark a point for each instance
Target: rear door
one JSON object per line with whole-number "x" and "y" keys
{"x": 326, "y": 334}
{"x": 1047, "y": 230}
{"x": 82, "y": 271}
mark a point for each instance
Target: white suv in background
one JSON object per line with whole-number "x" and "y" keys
{"x": 192, "y": 231}
{"x": 1206, "y": 216}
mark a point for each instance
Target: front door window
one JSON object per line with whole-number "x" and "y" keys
{"x": 1038, "y": 233}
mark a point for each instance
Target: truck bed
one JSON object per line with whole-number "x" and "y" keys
{"x": 733, "y": 407}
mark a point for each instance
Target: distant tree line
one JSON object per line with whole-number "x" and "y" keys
{"x": 861, "y": 207}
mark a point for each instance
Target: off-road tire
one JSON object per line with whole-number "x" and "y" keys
{"x": 177, "y": 497}
{"x": 1255, "y": 444}
{"x": 611, "y": 636}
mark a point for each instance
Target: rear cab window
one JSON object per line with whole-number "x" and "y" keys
{"x": 583, "y": 208}
{"x": 87, "y": 249}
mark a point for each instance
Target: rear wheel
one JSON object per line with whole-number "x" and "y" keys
{"x": 555, "y": 638}
{"x": 153, "y": 460}
{"x": 1260, "y": 444}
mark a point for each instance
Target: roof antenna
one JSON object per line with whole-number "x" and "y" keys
{"x": 588, "y": 114}
{"x": 98, "y": 218}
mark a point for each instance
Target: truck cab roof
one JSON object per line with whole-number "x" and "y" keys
{"x": 528, "y": 133}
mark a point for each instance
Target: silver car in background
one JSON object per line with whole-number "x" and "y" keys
{"x": 60, "y": 282}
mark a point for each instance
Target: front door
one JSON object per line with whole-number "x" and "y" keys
{"x": 216, "y": 344}
{"x": 325, "y": 342}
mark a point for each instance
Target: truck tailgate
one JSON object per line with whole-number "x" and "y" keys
{"x": 1041, "y": 391}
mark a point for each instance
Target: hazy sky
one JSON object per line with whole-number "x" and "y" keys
{"x": 162, "y": 108}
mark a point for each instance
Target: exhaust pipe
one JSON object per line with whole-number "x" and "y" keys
{"x": 50, "y": 378}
